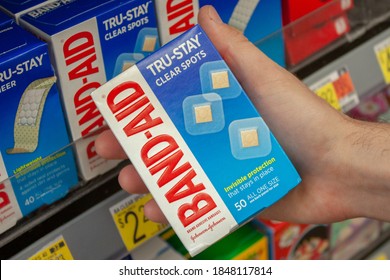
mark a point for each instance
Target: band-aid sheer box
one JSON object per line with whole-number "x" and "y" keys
{"x": 91, "y": 42}
{"x": 35, "y": 170}
{"x": 254, "y": 18}
{"x": 15, "y": 8}
{"x": 200, "y": 146}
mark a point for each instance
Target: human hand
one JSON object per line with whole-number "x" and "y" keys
{"x": 314, "y": 135}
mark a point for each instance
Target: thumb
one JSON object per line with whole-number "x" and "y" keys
{"x": 251, "y": 67}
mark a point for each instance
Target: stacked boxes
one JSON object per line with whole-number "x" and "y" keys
{"x": 32, "y": 128}
{"x": 91, "y": 42}
{"x": 203, "y": 150}
{"x": 16, "y": 8}
{"x": 256, "y": 19}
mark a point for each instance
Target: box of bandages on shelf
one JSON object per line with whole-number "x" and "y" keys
{"x": 15, "y": 8}
{"x": 91, "y": 42}
{"x": 259, "y": 21}
{"x": 35, "y": 169}
{"x": 203, "y": 150}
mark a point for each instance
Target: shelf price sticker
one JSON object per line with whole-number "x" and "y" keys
{"x": 382, "y": 51}
{"x": 55, "y": 250}
{"x": 338, "y": 90}
{"x": 134, "y": 228}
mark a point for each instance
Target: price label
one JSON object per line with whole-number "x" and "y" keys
{"x": 56, "y": 250}
{"x": 134, "y": 228}
{"x": 338, "y": 90}
{"x": 328, "y": 92}
{"x": 382, "y": 51}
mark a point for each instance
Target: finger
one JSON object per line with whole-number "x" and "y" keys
{"x": 107, "y": 146}
{"x": 154, "y": 213}
{"x": 130, "y": 180}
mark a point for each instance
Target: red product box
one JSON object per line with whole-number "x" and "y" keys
{"x": 306, "y": 15}
{"x": 308, "y": 43}
{"x": 295, "y": 241}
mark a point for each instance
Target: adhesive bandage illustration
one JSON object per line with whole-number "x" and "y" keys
{"x": 249, "y": 138}
{"x": 203, "y": 114}
{"x": 216, "y": 77}
{"x": 125, "y": 61}
{"x": 28, "y": 116}
{"x": 147, "y": 41}
{"x": 242, "y": 13}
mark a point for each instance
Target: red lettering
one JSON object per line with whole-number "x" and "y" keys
{"x": 176, "y": 11}
{"x": 96, "y": 124}
{"x": 86, "y": 90}
{"x": 143, "y": 121}
{"x": 117, "y": 105}
{"x": 91, "y": 151}
{"x": 190, "y": 212}
{"x": 177, "y": 192}
{"x": 81, "y": 45}
{"x": 4, "y": 199}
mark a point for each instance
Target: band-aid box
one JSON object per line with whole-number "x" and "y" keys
{"x": 200, "y": 146}
{"x": 91, "y": 42}
{"x": 35, "y": 170}
{"x": 254, "y": 18}
{"x": 15, "y": 8}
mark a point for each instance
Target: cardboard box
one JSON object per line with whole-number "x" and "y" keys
{"x": 90, "y": 42}
{"x": 295, "y": 241}
{"x": 256, "y": 19}
{"x": 33, "y": 129}
{"x": 300, "y": 47}
{"x": 15, "y": 8}
{"x": 204, "y": 152}
{"x": 4, "y": 19}
{"x": 249, "y": 244}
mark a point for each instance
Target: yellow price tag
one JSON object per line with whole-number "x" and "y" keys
{"x": 57, "y": 250}
{"x": 328, "y": 92}
{"x": 134, "y": 228}
{"x": 383, "y": 56}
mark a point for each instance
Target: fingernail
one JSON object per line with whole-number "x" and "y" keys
{"x": 214, "y": 15}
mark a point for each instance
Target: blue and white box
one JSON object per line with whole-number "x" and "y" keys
{"x": 187, "y": 126}
{"x": 15, "y": 8}
{"x": 4, "y": 19}
{"x": 90, "y": 43}
{"x": 33, "y": 130}
{"x": 259, "y": 20}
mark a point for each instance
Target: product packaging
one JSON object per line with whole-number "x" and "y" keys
{"x": 35, "y": 169}
{"x": 295, "y": 241}
{"x": 311, "y": 26}
{"x": 256, "y": 19}
{"x": 91, "y": 42}
{"x": 206, "y": 155}
{"x": 15, "y": 8}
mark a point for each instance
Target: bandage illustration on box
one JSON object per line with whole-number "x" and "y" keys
{"x": 146, "y": 43}
{"x": 242, "y": 14}
{"x": 28, "y": 116}
{"x": 204, "y": 113}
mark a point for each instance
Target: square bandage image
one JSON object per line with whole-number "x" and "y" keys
{"x": 215, "y": 76}
{"x": 203, "y": 114}
{"x": 147, "y": 41}
{"x": 125, "y": 61}
{"x": 249, "y": 138}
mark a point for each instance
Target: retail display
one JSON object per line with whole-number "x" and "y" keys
{"x": 295, "y": 241}
{"x": 15, "y": 8}
{"x": 87, "y": 42}
{"x": 201, "y": 203}
{"x": 338, "y": 48}
{"x": 176, "y": 17}
{"x": 32, "y": 128}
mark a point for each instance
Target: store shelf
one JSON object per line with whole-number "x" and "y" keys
{"x": 83, "y": 218}
{"x": 362, "y": 65}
